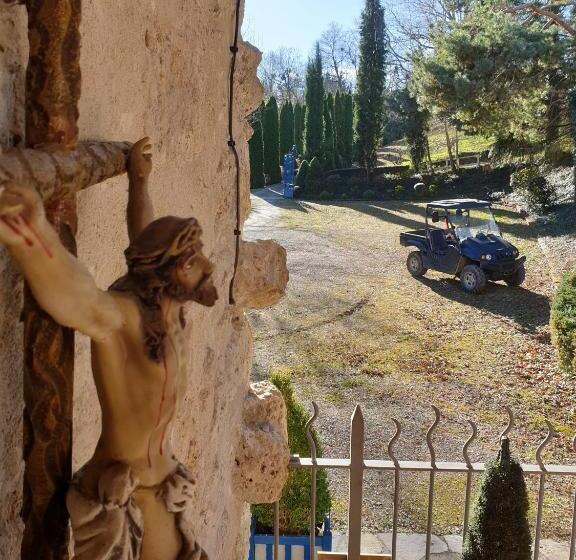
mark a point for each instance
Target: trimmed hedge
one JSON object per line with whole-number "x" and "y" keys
{"x": 563, "y": 322}
{"x": 499, "y": 529}
{"x": 295, "y": 499}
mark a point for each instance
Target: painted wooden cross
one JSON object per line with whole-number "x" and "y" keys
{"x": 58, "y": 166}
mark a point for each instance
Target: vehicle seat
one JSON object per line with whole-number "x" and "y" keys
{"x": 438, "y": 242}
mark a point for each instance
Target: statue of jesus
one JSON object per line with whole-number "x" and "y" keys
{"x": 129, "y": 501}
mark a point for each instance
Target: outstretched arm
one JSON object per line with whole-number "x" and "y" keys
{"x": 59, "y": 282}
{"x": 140, "y": 211}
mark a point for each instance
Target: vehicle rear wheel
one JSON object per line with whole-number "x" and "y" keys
{"x": 415, "y": 264}
{"x": 473, "y": 279}
{"x": 516, "y": 279}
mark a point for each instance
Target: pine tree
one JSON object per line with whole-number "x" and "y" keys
{"x": 298, "y": 128}
{"x": 314, "y": 106}
{"x": 328, "y": 154}
{"x": 499, "y": 529}
{"x": 370, "y": 84}
{"x": 256, "y": 151}
{"x": 286, "y": 129}
{"x": 271, "y": 142}
{"x": 349, "y": 128}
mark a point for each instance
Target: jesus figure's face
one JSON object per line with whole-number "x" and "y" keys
{"x": 193, "y": 278}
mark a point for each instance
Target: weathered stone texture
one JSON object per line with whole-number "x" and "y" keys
{"x": 262, "y": 456}
{"x": 156, "y": 69}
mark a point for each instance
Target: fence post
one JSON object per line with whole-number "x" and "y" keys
{"x": 356, "y": 484}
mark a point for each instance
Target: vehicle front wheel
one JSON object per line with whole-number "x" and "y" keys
{"x": 415, "y": 264}
{"x": 473, "y": 279}
{"x": 516, "y": 279}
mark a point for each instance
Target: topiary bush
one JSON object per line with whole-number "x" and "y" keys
{"x": 314, "y": 177}
{"x": 499, "y": 529}
{"x": 369, "y": 195}
{"x": 326, "y": 195}
{"x": 563, "y": 322}
{"x": 534, "y": 188}
{"x": 295, "y": 499}
{"x": 301, "y": 175}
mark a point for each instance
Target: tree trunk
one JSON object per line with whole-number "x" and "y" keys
{"x": 449, "y": 146}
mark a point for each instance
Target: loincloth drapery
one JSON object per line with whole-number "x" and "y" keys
{"x": 111, "y": 527}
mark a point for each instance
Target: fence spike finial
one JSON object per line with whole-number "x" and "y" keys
{"x": 429, "y": 434}
{"x": 393, "y": 441}
{"x": 544, "y": 443}
{"x": 469, "y": 442}
{"x": 574, "y": 444}
{"x": 308, "y": 431}
{"x": 511, "y": 420}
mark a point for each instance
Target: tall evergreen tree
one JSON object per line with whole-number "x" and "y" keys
{"x": 499, "y": 529}
{"x": 286, "y": 129}
{"x": 298, "y": 129}
{"x": 314, "y": 106}
{"x": 271, "y": 142}
{"x": 349, "y": 128}
{"x": 370, "y": 84}
{"x": 339, "y": 129}
{"x": 256, "y": 150}
{"x": 328, "y": 154}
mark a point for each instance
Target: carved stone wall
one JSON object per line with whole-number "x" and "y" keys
{"x": 158, "y": 69}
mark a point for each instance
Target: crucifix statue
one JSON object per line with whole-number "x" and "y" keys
{"x": 128, "y": 502}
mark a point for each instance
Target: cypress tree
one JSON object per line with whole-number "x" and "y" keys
{"x": 339, "y": 130}
{"x": 499, "y": 529}
{"x": 314, "y": 177}
{"x": 256, "y": 151}
{"x": 298, "y": 129}
{"x": 271, "y": 142}
{"x": 314, "y": 106}
{"x": 286, "y": 129}
{"x": 328, "y": 141}
{"x": 348, "y": 128}
{"x": 370, "y": 84}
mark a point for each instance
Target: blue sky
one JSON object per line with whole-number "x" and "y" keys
{"x": 269, "y": 24}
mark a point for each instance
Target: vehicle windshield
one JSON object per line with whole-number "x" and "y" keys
{"x": 471, "y": 222}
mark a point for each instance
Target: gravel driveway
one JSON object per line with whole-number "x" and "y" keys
{"x": 355, "y": 327}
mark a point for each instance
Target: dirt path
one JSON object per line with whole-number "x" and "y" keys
{"x": 354, "y": 327}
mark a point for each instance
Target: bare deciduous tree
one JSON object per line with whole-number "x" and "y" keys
{"x": 339, "y": 51}
{"x": 282, "y": 75}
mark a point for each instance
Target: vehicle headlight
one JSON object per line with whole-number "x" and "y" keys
{"x": 486, "y": 257}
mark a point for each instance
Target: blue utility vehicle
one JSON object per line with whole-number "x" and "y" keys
{"x": 461, "y": 238}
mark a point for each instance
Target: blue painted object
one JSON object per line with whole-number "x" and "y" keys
{"x": 288, "y": 169}
{"x": 323, "y": 542}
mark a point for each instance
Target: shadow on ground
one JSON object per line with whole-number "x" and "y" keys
{"x": 529, "y": 310}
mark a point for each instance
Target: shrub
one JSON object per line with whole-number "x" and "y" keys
{"x": 499, "y": 529}
{"x": 295, "y": 499}
{"x": 326, "y": 195}
{"x": 563, "y": 322}
{"x": 433, "y": 189}
{"x": 334, "y": 182}
{"x": 344, "y": 196}
{"x": 534, "y": 188}
{"x": 399, "y": 190}
{"x": 355, "y": 191}
{"x": 314, "y": 176}
{"x": 420, "y": 189}
{"x": 369, "y": 195}
{"x": 301, "y": 175}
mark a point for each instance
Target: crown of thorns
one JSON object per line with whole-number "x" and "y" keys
{"x": 162, "y": 241}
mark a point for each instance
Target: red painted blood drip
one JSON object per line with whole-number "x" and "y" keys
{"x": 39, "y": 238}
{"x": 27, "y": 240}
{"x": 162, "y": 399}
{"x": 174, "y": 399}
